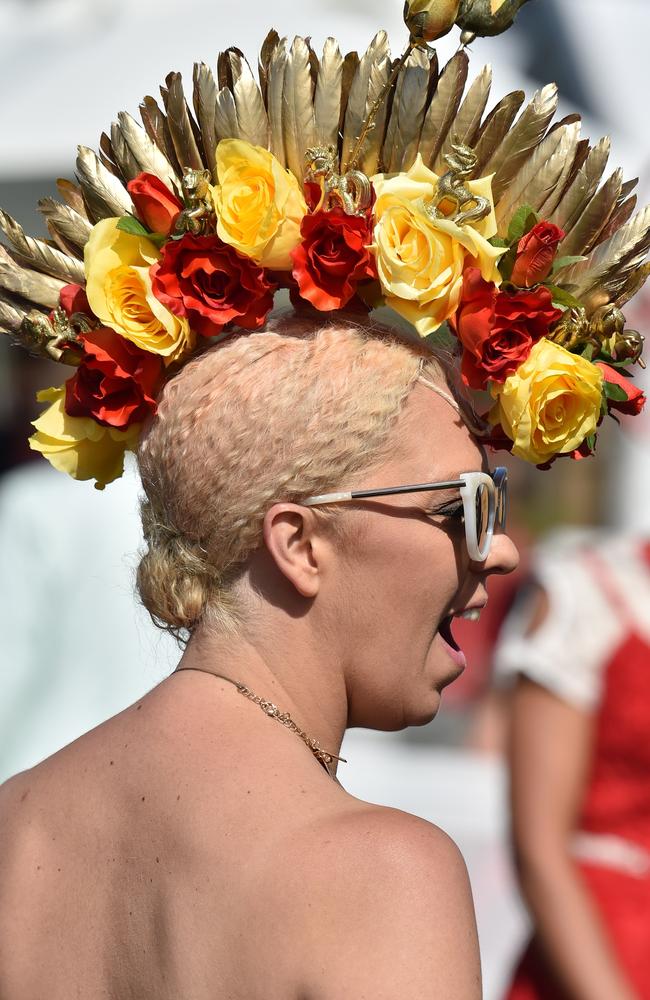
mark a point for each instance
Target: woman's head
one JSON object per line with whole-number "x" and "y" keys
{"x": 281, "y": 414}
{"x": 263, "y": 421}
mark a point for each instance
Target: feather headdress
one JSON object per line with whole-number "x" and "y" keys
{"x": 344, "y": 178}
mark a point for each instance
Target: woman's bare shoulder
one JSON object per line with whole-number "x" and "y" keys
{"x": 390, "y": 896}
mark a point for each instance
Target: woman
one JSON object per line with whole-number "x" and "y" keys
{"x": 580, "y": 766}
{"x": 192, "y": 846}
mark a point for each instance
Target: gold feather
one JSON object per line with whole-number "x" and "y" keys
{"x": 180, "y": 123}
{"x": 620, "y": 216}
{"x": 145, "y": 152}
{"x": 582, "y": 188}
{"x": 40, "y": 255}
{"x": 104, "y": 195}
{"x": 107, "y": 156}
{"x": 252, "y": 120}
{"x": 11, "y": 316}
{"x": 225, "y": 118}
{"x": 156, "y": 127}
{"x": 277, "y": 70}
{"x": 521, "y": 140}
{"x": 73, "y": 228}
{"x": 124, "y": 158}
{"x": 369, "y": 79}
{"x": 495, "y": 128}
{"x": 327, "y": 99}
{"x": 468, "y": 120}
{"x": 72, "y": 196}
{"x": 407, "y": 112}
{"x": 297, "y": 107}
{"x": 204, "y": 99}
{"x": 633, "y": 284}
{"x": 443, "y": 108}
{"x": 595, "y": 216}
{"x": 268, "y": 46}
{"x": 30, "y": 285}
{"x": 610, "y": 265}
{"x": 540, "y": 175}
{"x": 569, "y": 147}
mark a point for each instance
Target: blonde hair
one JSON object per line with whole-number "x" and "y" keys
{"x": 294, "y": 410}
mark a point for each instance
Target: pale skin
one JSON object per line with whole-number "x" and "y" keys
{"x": 550, "y": 753}
{"x": 192, "y": 847}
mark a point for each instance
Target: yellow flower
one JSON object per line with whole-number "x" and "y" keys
{"x": 259, "y": 204}
{"x": 550, "y": 404}
{"x": 420, "y": 260}
{"x": 119, "y": 291}
{"x": 78, "y": 445}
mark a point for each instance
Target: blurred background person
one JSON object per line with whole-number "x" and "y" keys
{"x": 577, "y": 643}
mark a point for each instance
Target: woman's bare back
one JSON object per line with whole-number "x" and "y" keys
{"x": 192, "y": 848}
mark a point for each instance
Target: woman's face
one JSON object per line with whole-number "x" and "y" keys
{"x": 407, "y": 570}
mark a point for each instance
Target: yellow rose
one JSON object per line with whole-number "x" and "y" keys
{"x": 550, "y": 404}
{"x": 420, "y": 260}
{"x": 259, "y": 204}
{"x": 78, "y": 445}
{"x": 119, "y": 291}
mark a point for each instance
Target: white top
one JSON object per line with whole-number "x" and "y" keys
{"x": 569, "y": 651}
{"x": 75, "y": 645}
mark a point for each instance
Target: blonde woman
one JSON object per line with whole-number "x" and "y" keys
{"x": 193, "y": 846}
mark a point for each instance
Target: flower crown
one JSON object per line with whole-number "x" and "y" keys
{"x": 353, "y": 182}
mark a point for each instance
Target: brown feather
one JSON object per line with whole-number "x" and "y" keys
{"x": 595, "y": 216}
{"x": 495, "y": 127}
{"x": 72, "y": 196}
{"x": 610, "y": 265}
{"x": 156, "y": 127}
{"x": 124, "y": 158}
{"x": 407, "y": 112}
{"x": 268, "y": 46}
{"x": 11, "y": 315}
{"x": 582, "y": 188}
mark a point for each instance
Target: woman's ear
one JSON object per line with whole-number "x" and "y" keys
{"x": 293, "y": 539}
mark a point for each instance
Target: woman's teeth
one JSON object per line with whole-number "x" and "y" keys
{"x": 471, "y": 615}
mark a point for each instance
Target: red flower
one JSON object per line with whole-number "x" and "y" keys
{"x": 498, "y": 329}
{"x": 72, "y": 299}
{"x": 332, "y": 258}
{"x": 635, "y": 397}
{"x": 155, "y": 204}
{"x": 204, "y": 279}
{"x": 535, "y": 254}
{"x": 115, "y": 383}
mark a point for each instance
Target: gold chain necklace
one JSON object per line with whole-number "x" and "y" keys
{"x": 323, "y": 757}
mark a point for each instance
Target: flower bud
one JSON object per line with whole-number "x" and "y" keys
{"x": 430, "y": 19}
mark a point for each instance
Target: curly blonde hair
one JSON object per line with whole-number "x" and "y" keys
{"x": 294, "y": 410}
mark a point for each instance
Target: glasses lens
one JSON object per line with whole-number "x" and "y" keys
{"x": 500, "y": 478}
{"x": 482, "y": 514}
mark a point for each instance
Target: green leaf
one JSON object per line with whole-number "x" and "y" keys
{"x": 129, "y": 224}
{"x": 615, "y": 392}
{"x": 588, "y": 352}
{"x": 521, "y": 223}
{"x": 561, "y": 297}
{"x": 591, "y": 441}
{"x": 561, "y": 262}
{"x": 498, "y": 241}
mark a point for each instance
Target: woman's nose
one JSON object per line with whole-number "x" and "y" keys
{"x": 503, "y": 556}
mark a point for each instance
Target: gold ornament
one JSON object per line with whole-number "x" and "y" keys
{"x": 430, "y": 19}
{"x": 451, "y": 188}
{"x": 199, "y": 212}
{"x": 352, "y": 190}
{"x": 486, "y": 17}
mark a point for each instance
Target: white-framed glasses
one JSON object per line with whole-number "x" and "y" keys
{"x": 483, "y": 494}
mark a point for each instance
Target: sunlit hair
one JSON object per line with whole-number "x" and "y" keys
{"x": 295, "y": 410}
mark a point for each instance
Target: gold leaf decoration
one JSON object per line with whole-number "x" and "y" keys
{"x": 156, "y": 127}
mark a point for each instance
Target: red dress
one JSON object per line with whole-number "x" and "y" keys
{"x": 616, "y": 805}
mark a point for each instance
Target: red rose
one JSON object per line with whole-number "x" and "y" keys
{"x": 635, "y": 397}
{"x": 332, "y": 258}
{"x": 155, "y": 204}
{"x": 535, "y": 254}
{"x": 498, "y": 329}
{"x": 72, "y": 299}
{"x": 205, "y": 280}
{"x": 115, "y": 383}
